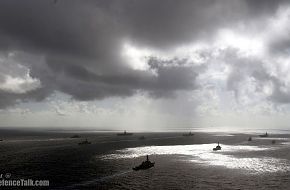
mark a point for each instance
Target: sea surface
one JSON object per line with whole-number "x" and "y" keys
{"x": 181, "y": 162}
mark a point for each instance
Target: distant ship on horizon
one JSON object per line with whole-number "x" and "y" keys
{"x": 75, "y": 136}
{"x": 264, "y": 135}
{"x": 188, "y": 134}
{"x": 84, "y": 142}
{"x": 124, "y": 134}
{"x": 141, "y": 138}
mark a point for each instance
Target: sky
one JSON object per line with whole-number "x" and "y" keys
{"x": 144, "y": 65}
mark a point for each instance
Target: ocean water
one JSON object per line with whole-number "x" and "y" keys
{"x": 180, "y": 162}
{"x": 202, "y": 154}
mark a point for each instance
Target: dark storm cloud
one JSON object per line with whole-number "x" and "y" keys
{"x": 264, "y": 7}
{"x": 81, "y": 42}
{"x": 280, "y": 45}
{"x": 92, "y": 85}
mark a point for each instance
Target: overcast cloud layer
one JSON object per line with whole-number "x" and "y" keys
{"x": 94, "y": 50}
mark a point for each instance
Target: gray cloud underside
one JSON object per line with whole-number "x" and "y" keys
{"x": 81, "y": 41}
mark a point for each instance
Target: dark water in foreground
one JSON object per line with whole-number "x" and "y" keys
{"x": 181, "y": 162}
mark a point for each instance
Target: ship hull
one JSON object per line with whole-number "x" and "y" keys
{"x": 122, "y": 134}
{"x": 143, "y": 168}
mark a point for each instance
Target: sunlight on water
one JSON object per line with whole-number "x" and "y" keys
{"x": 203, "y": 154}
{"x": 224, "y": 135}
{"x": 272, "y": 138}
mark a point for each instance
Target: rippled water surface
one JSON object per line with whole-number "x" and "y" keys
{"x": 204, "y": 154}
{"x": 180, "y": 162}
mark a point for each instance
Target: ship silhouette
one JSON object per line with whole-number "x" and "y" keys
{"x": 265, "y": 135}
{"x": 124, "y": 134}
{"x": 75, "y": 136}
{"x": 84, "y": 142}
{"x": 187, "y": 134}
{"x": 141, "y": 138}
{"x": 145, "y": 165}
{"x": 218, "y": 147}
